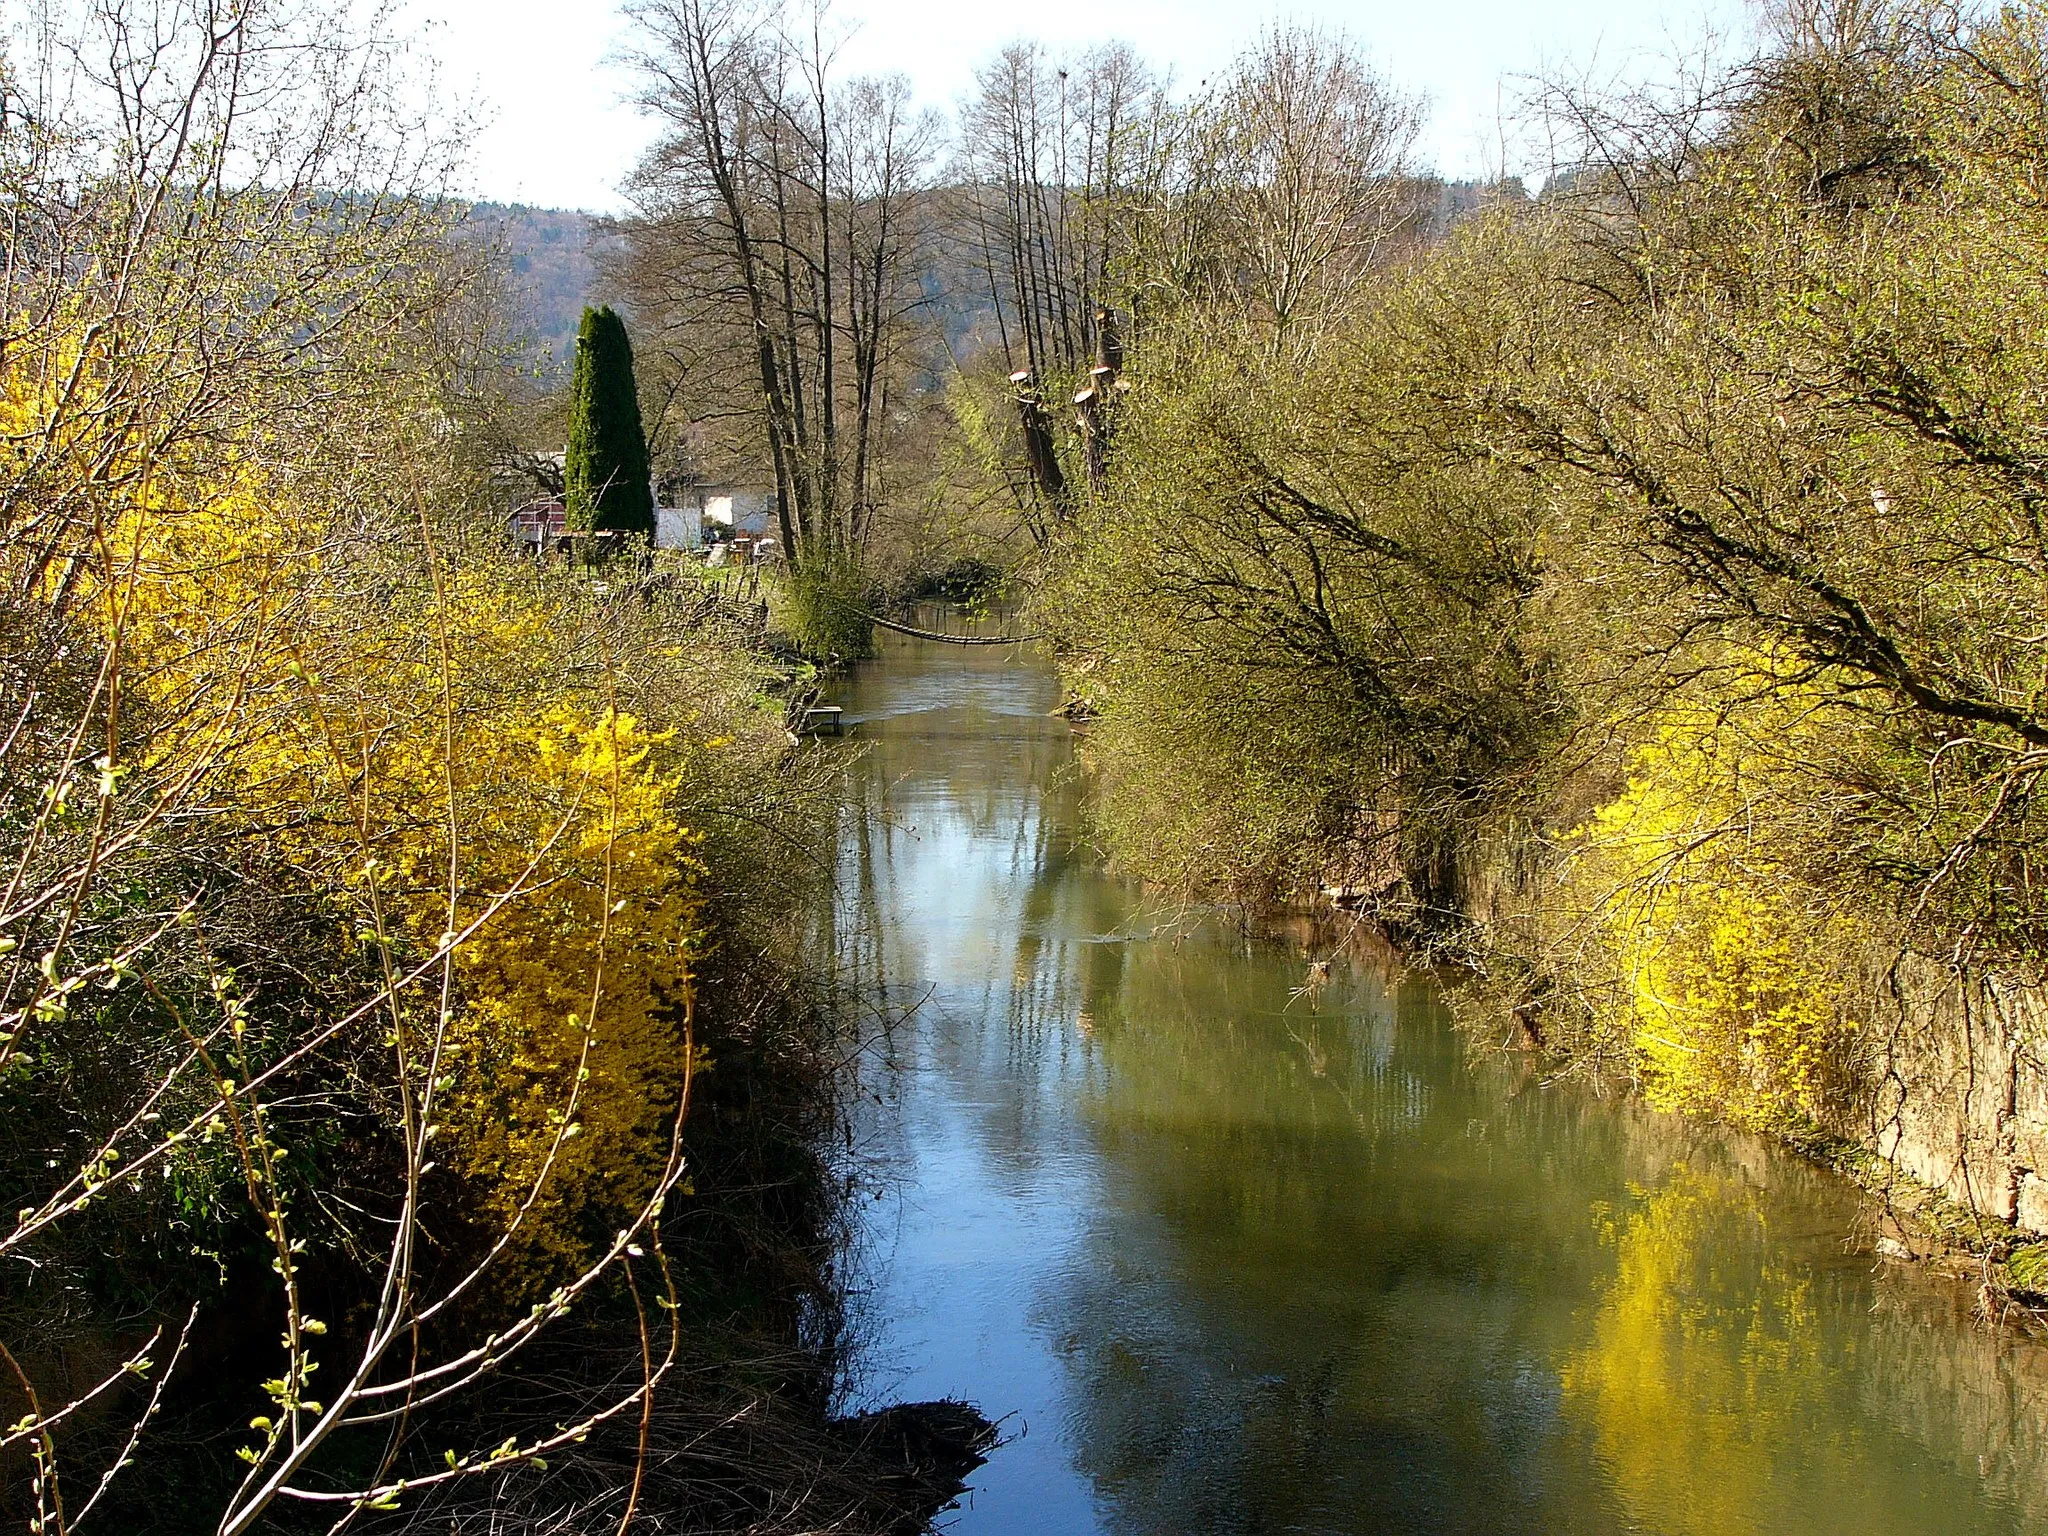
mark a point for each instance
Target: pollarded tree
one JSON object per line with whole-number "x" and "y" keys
{"x": 606, "y": 472}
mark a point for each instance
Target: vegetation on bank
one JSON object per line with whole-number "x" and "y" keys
{"x": 406, "y": 1079}
{"x": 1637, "y": 591}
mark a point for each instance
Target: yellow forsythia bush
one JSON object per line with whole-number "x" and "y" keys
{"x": 1727, "y": 981}
{"x": 586, "y": 978}
{"x": 426, "y": 741}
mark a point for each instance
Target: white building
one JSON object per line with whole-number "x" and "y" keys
{"x": 692, "y": 514}
{"x": 737, "y": 509}
{"x": 679, "y": 527}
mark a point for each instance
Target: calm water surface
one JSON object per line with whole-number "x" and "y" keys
{"x": 1234, "y": 1259}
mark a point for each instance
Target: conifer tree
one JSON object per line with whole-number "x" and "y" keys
{"x": 606, "y": 470}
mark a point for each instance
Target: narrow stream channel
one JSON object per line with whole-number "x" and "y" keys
{"x": 1234, "y": 1259}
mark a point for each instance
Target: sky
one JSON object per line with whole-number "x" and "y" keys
{"x": 555, "y": 131}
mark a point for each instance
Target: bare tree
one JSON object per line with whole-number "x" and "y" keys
{"x": 1310, "y": 145}
{"x": 776, "y": 248}
{"x": 1053, "y": 158}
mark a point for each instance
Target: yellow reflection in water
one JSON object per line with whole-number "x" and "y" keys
{"x": 1704, "y": 1363}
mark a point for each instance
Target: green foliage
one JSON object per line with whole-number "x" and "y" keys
{"x": 1308, "y": 607}
{"x": 606, "y": 470}
{"x": 825, "y": 605}
{"x": 1643, "y": 588}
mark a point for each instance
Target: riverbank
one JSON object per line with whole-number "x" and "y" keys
{"x": 1667, "y": 662}
{"x": 1947, "y": 1172}
{"x": 1949, "y": 1114}
{"x": 750, "y": 1432}
{"x": 444, "y": 1112}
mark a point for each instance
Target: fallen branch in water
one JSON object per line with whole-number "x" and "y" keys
{"x": 928, "y": 634}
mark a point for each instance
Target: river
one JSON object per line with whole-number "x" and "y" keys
{"x": 1230, "y": 1253}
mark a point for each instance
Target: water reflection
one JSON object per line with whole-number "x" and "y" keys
{"x": 1243, "y": 1258}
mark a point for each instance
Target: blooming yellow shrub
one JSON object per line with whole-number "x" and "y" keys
{"x": 582, "y": 985}
{"x": 1728, "y": 970}
{"x": 415, "y": 734}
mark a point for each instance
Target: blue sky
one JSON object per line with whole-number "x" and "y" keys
{"x": 556, "y": 134}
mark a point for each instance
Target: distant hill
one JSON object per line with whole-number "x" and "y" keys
{"x": 552, "y": 256}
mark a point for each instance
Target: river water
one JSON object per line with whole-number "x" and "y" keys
{"x": 1229, "y": 1255}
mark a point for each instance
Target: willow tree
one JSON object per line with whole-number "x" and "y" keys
{"x": 605, "y": 472}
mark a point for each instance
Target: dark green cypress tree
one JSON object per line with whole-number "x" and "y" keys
{"x": 605, "y": 472}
